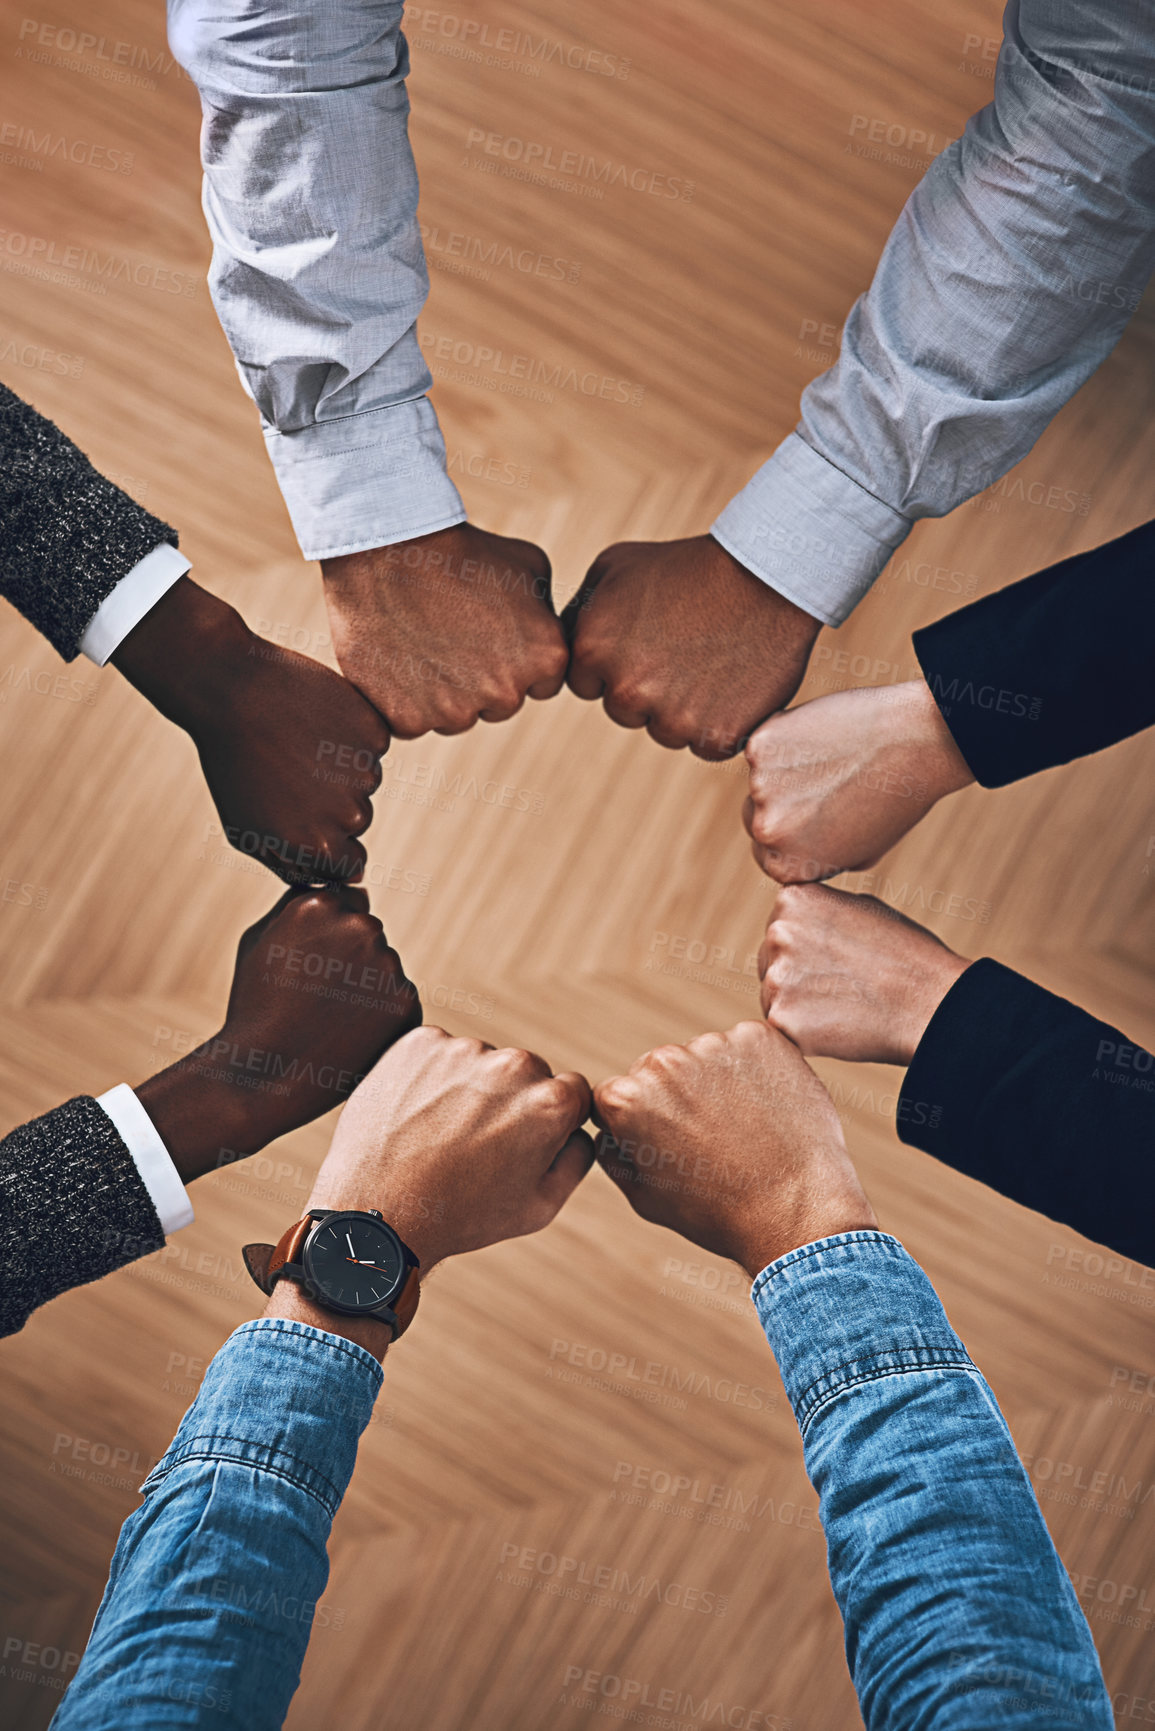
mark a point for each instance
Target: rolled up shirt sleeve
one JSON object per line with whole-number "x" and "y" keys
{"x": 1008, "y": 278}
{"x": 318, "y": 272}
{"x": 957, "y": 1609}
{"x": 215, "y": 1579}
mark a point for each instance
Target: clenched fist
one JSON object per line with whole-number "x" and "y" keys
{"x": 679, "y": 638}
{"x": 845, "y": 976}
{"x": 733, "y": 1142}
{"x": 290, "y": 751}
{"x": 317, "y": 996}
{"x": 837, "y": 781}
{"x": 458, "y": 1144}
{"x": 447, "y": 629}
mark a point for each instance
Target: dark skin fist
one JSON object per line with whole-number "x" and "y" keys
{"x": 679, "y": 638}
{"x": 317, "y": 996}
{"x": 446, "y": 630}
{"x": 290, "y": 751}
{"x": 733, "y": 1142}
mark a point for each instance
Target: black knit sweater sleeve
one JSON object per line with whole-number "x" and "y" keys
{"x": 67, "y": 536}
{"x": 72, "y": 1208}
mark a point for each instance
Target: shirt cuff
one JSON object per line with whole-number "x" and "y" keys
{"x": 366, "y": 481}
{"x": 810, "y": 532}
{"x": 849, "y": 1309}
{"x": 153, "y": 1160}
{"x": 136, "y": 594}
{"x": 285, "y": 1397}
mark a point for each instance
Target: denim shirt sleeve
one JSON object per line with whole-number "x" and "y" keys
{"x": 957, "y": 1610}
{"x": 318, "y": 272}
{"x": 1008, "y": 278}
{"x": 215, "y": 1579}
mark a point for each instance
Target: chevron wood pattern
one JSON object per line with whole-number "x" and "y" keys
{"x": 692, "y": 1559}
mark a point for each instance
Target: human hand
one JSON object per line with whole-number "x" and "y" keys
{"x": 837, "y": 781}
{"x": 845, "y": 976}
{"x": 679, "y": 638}
{"x": 446, "y": 629}
{"x": 733, "y": 1142}
{"x": 317, "y": 996}
{"x": 290, "y": 751}
{"x": 458, "y": 1144}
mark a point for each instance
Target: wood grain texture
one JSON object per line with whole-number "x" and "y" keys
{"x": 542, "y": 927}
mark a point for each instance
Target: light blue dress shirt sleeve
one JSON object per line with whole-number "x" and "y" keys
{"x": 318, "y": 272}
{"x": 957, "y": 1610}
{"x": 215, "y": 1579}
{"x": 1009, "y": 276}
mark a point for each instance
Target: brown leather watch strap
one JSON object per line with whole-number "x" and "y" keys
{"x": 265, "y": 1261}
{"x": 405, "y": 1309}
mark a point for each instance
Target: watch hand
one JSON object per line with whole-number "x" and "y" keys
{"x": 352, "y": 1252}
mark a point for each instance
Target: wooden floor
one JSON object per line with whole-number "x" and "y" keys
{"x": 552, "y": 927}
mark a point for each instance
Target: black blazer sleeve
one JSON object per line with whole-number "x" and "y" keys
{"x": 67, "y": 536}
{"x": 72, "y": 1207}
{"x": 1052, "y": 668}
{"x": 1031, "y": 1095}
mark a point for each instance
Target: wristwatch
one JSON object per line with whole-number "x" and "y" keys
{"x": 348, "y": 1261}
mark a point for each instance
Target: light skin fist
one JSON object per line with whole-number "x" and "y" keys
{"x": 459, "y": 1144}
{"x": 845, "y": 976}
{"x": 317, "y": 996}
{"x": 290, "y": 751}
{"x": 836, "y": 782}
{"x": 447, "y": 629}
{"x": 732, "y": 1141}
{"x": 679, "y": 638}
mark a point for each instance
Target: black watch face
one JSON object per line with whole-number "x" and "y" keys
{"x": 354, "y": 1262}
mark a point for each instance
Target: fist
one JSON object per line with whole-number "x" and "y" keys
{"x": 458, "y": 1144}
{"x": 317, "y": 996}
{"x": 836, "y": 782}
{"x": 446, "y": 630}
{"x": 680, "y": 639}
{"x": 845, "y": 976}
{"x": 733, "y": 1142}
{"x": 290, "y": 751}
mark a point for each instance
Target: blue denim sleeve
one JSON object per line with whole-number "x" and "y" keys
{"x": 957, "y": 1610}
{"x": 215, "y": 1579}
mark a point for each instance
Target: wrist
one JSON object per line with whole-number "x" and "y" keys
{"x": 948, "y": 768}
{"x": 827, "y": 1220}
{"x": 200, "y": 1119}
{"x": 927, "y": 987}
{"x": 182, "y": 656}
{"x": 289, "y": 1300}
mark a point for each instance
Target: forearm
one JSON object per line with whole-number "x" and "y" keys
{"x": 1008, "y": 278}
{"x": 73, "y": 1207}
{"x": 67, "y": 535}
{"x": 323, "y": 329}
{"x": 956, "y": 1606}
{"x": 1028, "y": 1093}
{"x": 1051, "y": 668}
{"x": 215, "y": 1579}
